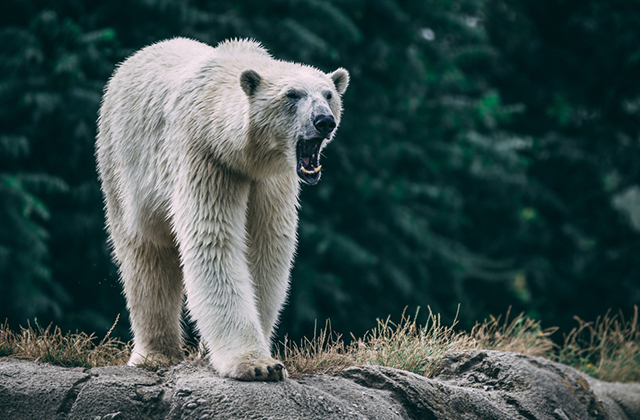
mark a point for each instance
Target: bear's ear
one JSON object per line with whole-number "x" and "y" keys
{"x": 340, "y": 78}
{"x": 249, "y": 81}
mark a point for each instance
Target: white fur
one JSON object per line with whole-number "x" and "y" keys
{"x": 201, "y": 192}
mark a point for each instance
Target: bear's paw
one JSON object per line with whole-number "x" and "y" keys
{"x": 259, "y": 369}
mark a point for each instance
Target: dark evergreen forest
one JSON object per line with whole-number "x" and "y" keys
{"x": 489, "y": 155}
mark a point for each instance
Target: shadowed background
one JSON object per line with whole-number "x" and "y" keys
{"x": 488, "y": 156}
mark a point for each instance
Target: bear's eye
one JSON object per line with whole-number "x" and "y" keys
{"x": 294, "y": 95}
{"x": 328, "y": 96}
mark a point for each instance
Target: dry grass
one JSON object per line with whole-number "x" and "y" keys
{"x": 49, "y": 345}
{"x": 608, "y": 349}
{"x": 411, "y": 347}
{"x": 520, "y": 335}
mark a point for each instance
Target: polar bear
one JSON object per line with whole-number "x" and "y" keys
{"x": 200, "y": 151}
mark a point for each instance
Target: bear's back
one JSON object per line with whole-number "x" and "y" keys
{"x": 183, "y": 51}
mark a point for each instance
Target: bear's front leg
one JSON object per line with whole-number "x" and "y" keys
{"x": 271, "y": 227}
{"x": 209, "y": 211}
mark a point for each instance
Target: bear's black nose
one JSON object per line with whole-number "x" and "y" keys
{"x": 324, "y": 124}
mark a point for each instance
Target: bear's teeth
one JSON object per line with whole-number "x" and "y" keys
{"x": 315, "y": 171}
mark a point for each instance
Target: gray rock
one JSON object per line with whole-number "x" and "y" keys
{"x": 38, "y": 391}
{"x": 621, "y": 400}
{"x": 469, "y": 385}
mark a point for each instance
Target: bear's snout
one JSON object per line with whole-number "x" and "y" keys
{"x": 324, "y": 124}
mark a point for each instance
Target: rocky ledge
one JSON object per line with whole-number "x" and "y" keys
{"x": 471, "y": 385}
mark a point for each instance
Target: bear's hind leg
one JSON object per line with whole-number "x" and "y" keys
{"x": 153, "y": 287}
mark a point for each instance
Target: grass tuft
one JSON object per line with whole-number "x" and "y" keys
{"x": 521, "y": 335}
{"x": 607, "y": 349}
{"x": 410, "y": 346}
{"x": 49, "y": 345}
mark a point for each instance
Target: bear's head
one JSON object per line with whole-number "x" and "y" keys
{"x": 295, "y": 109}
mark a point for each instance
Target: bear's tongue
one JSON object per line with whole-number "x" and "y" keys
{"x": 305, "y": 160}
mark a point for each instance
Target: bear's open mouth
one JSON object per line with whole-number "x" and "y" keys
{"x": 308, "y": 153}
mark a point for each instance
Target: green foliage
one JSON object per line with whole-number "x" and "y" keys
{"x": 570, "y": 64}
{"x": 51, "y": 73}
{"x": 486, "y": 155}
{"x": 27, "y": 286}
